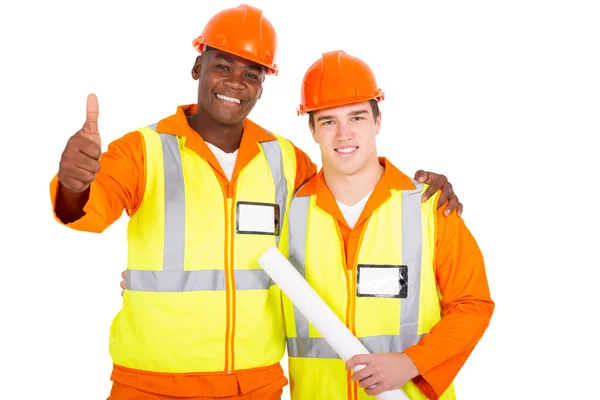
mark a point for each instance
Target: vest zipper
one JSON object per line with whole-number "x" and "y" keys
{"x": 351, "y": 320}
{"x": 350, "y": 305}
{"x": 229, "y": 285}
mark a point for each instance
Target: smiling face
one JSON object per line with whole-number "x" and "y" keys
{"x": 347, "y": 137}
{"x": 228, "y": 86}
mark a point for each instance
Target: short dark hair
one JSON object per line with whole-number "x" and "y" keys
{"x": 374, "y": 106}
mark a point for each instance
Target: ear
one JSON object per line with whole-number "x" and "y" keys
{"x": 378, "y": 124}
{"x": 262, "y": 82}
{"x": 197, "y": 67}
{"x": 312, "y": 131}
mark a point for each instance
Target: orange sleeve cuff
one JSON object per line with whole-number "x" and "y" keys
{"x": 420, "y": 357}
{"x": 92, "y": 220}
{"x": 431, "y": 387}
{"x": 427, "y": 383}
{"x": 425, "y": 388}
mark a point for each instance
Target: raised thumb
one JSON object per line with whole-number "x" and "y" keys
{"x": 90, "y": 128}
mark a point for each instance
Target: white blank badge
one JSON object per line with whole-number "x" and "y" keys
{"x": 257, "y": 218}
{"x": 381, "y": 281}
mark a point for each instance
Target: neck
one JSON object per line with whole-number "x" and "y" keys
{"x": 225, "y": 137}
{"x": 350, "y": 189}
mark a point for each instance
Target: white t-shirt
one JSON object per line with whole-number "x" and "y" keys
{"x": 226, "y": 160}
{"x": 352, "y": 213}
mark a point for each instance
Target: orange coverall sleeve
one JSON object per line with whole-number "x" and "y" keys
{"x": 466, "y": 307}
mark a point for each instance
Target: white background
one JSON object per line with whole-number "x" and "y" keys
{"x": 502, "y": 97}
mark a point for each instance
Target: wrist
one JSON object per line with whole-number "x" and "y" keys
{"x": 69, "y": 204}
{"x": 410, "y": 366}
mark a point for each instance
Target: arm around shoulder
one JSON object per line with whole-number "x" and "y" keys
{"x": 305, "y": 168}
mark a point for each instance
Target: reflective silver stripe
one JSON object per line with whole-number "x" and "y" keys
{"x": 174, "y": 250}
{"x": 310, "y": 348}
{"x": 319, "y": 348}
{"x": 172, "y": 277}
{"x": 190, "y": 281}
{"x": 248, "y": 279}
{"x": 272, "y": 152}
{"x": 412, "y": 240}
{"x": 305, "y": 346}
{"x": 297, "y": 220}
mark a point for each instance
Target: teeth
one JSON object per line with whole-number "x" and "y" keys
{"x": 346, "y": 149}
{"x": 229, "y": 99}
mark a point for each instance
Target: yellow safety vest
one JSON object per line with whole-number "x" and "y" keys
{"x": 196, "y": 300}
{"x": 399, "y": 234}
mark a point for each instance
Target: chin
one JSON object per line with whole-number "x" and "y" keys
{"x": 225, "y": 118}
{"x": 349, "y": 171}
{"x": 229, "y": 121}
{"x": 346, "y": 170}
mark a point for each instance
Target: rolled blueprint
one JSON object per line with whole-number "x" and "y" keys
{"x": 318, "y": 313}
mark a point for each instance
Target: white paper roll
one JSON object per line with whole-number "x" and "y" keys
{"x": 318, "y": 313}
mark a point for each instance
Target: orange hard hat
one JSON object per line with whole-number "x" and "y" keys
{"x": 335, "y": 80}
{"x": 242, "y": 31}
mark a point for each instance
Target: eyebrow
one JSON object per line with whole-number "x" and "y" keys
{"x": 352, "y": 113}
{"x": 232, "y": 61}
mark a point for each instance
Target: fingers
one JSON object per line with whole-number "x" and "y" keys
{"x": 85, "y": 163}
{"x": 452, "y": 204}
{"x": 430, "y": 191}
{"x": 378, "y": 389}
{"x": 79, "y": 163}
{"x": 122, "y": 284}
{"x": 356, "y": 360}
{"x": 421, "y": 176}
{"x": 430, "y": 178}
{"x": 83, "y": 175}
{"x": 73, "y": 184}
{"x": 363, "y": 373}
{"x": 370, "y": 382}
{"x": 85, "y": 145}
{"x": 80, "y": 166}
{"x": 90, "y": 149}
{"x": 77, "y": 175}
{"x": 435, "y": 182}
{"x": 123, "y": 275}
{"x": 446, "y": 191}
{"x": 80, "y": 144}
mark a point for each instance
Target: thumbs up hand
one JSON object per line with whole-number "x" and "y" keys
{"x": 79, "y": 162}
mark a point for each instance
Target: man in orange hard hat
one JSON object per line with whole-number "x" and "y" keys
{"x": 206, "y": 190}
{"x": 408, "y": 283}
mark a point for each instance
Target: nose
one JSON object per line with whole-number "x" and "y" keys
{"x": 343, "y": 132}
{"x": 235, "y": 81}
